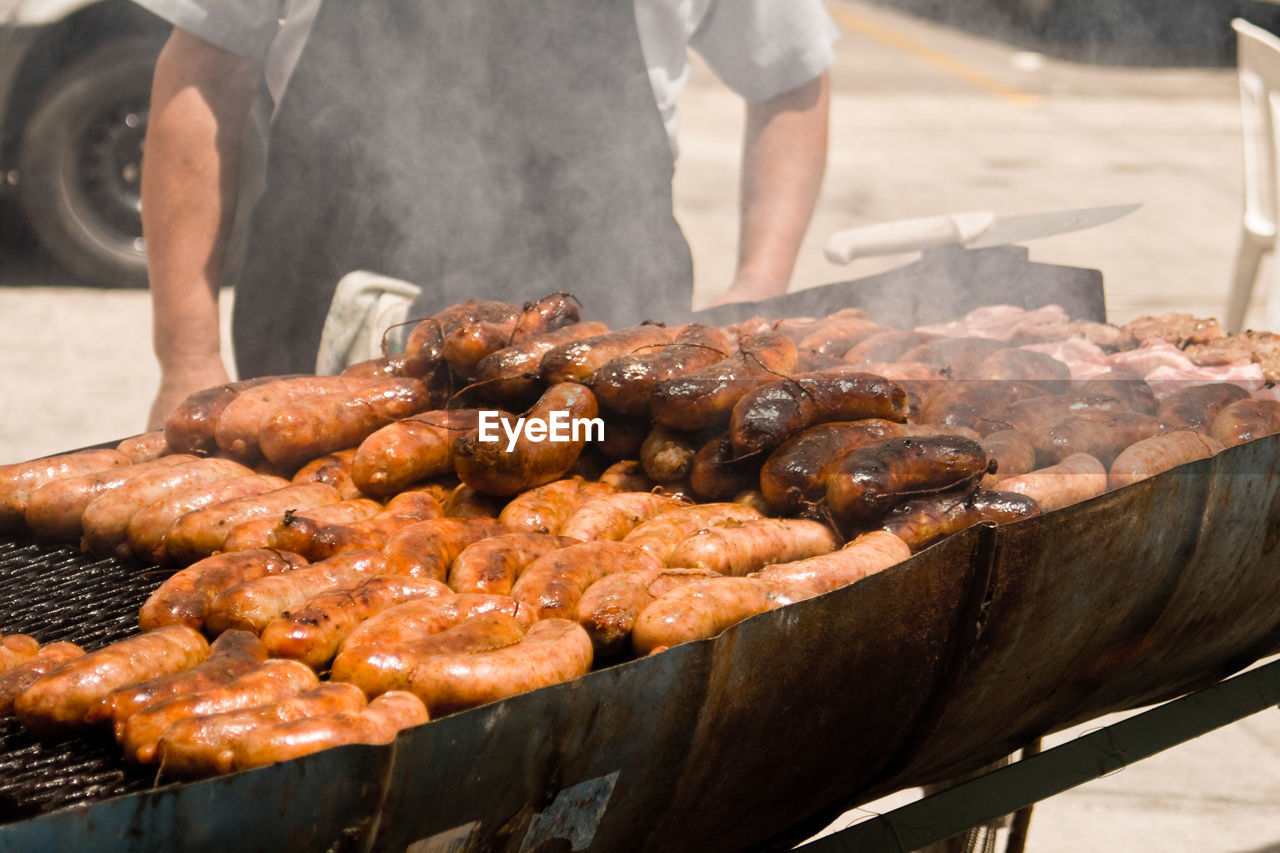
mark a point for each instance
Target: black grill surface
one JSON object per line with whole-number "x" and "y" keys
{"x": 58, "y": 594}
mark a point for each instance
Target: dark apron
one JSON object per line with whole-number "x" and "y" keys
{"x": 483, "y": 149}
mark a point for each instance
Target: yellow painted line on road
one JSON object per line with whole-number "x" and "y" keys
{"x": 856, "y": 23}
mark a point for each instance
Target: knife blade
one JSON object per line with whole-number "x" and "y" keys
{"x": 1016, "y": 229}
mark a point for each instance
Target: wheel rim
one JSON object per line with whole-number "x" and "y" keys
{"x": 103, "y": 173}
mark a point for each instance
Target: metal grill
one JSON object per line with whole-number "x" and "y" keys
{"x": 60, "y": 594}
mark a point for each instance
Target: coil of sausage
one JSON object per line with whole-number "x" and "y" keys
{"x": 184, "y": 597}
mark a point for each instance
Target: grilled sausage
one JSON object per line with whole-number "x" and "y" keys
{"x": 236, "y": 430}
{"x": 183, "y": 599}
{"x": 20, "y": 479}
{"x": 704, "y": 608}
{"x": 427, "y": 549}
{"x": 704, "y": 399}
{"x": 331, "y": 468}
{"x": 871, "y": 480}
{"x": 1245, "y": 420}
{"x": 545, "y": 508}
{"x": 492, "y": 565}
{"x": 771, "y": 413}
{"x": 496, "y": 467}
{"x": 795, "y": 475}
{"x": 1037, "y": 367}
{"x": 510, "y": 375}
{"x": 284, "y": 740}
{"x": 148, "y": 529}
{"x": 204, "y": 531}
{"x": 885, "y": 346}
{"x": 552, "y": 584}
{"x": 718, "y": 472}
{"x": 18, "y": 678}
{"x": 106, "y": 518}
{"x": 63, "y": 698}
{"x": 578, "y": 360}
{"x": 465, "y": 502}
{"x": 190, "y": 428}
{"x": 409, "y": 450}
{"x": 959, "y": 356}
{"x": 739, "y": 548}
{"x": 423, "y": 617}
{"x": 609, "y": 608}
{"x": 971, "y": 403}
{"x": 1129, "y": 388}
{"x": 922, "y": 521}
{"x": 388, "y": 666}
{"x": 424, "y": 348}
{"x": 304, "y": 429}
{"x": 16, "y": 649}
{"x": 55, "y": 510}
{"x": 252, "y": 604}
{"x": 1151, "y": 456}
{"x": 377, "y": 368}
{"x": 145, "y": 447}
{"x": 313, "y": 631}
{"x": 475, "y": 338}
{"x": 1101, "y": 435}
{"x": 1031, "y": 414}
{"x": 659, "y": 536}
{"x": 839, "y": 333}
{"x": 625, "y": 384}
{"x": 627, "y": 475}
{"x": 869, "y": 553}
{"x": 1076, "y": 478}
{"x": 553, "y": 651}
{"x": 1197, "y": 406}
{"x": 667, "y": 455}
{"x": 321, "y": 541}
{"x": 1013, "y": 452}
{"x": 230, "y": 656}
{"x": 614, "y": 516}
{"x": 260, "y": 532}
{"x": 272, "y": 681}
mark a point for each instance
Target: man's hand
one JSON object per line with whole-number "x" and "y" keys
{"x": 783, "y": 160}
{"x": 200, "y": 100}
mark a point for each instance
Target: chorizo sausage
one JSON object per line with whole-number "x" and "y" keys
{"x": 1029, "y": 415}
{"x": 427, "y": 549}
{"x": 864, "y": 556}
{"x": 610, "y": 606}
{"x": 970, "y": 404}
{"x": 704, "y": 608}
{"x": 922, "y": 521}
{"x": 20, "y": 479}
{"x": 660, "y": 535}
{"x": 1152, "y": 456}
{"x": 204, "y": 531}
{"x": 16, "y": 649}
{"x": 492, "y": 565}
{"x": 259, "y": 533}
{"x": 614, "y": 516}
{"x": 1036, "y": 367}
{"x": 627, "y": 475}
{"x": 1245, "y": 420}
{"x": 190, "y": 428}
{"x": 271, "y": 681}
{"x": 14, "y": 681}
{"x": 409, "y": 450}
{"x": 313, "y": 631}
{"x": 511, "y": 374}
{"x": 302, "y": 430}
{"x": 959, "y": 356}
{"x": 1101, "y": 435}
{"x": 424, "y": 348}
{"x": 145, "y": 447}
{"x": 704, "y": 399}
{"x": 489, "y": 463}
{"x": 1129, "y": 388}
{"x": 1076, "y": 478}
{"x": 886, "y": 346}
{"x": 552, "y": 584}
{"x": 545, "y": 508}
{"x": 577, "y": 361}
{"x": 739, "y": 548}
{"x": 63, "y": 698}
{"x": 332, "y": 468}
{"x": 465, "y": 502}
{"x": 236, "y": 430}
{"x": 148, "y": 529}
{"x": 424, "y": 617}
{"x": 319, "y": 541}
{"x": 473, "y": 339}
{"x": 839, "y": 333}
{"x": 625, "y": 384}
{"x": 183, "y": 599}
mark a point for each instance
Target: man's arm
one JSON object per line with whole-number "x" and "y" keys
{"x": 783, "y": 161}
{"x": 200, "y": 100}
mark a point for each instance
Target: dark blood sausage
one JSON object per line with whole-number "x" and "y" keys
{"x": 719, "y": 472}
{"x": 1028, "y": 415}
{"x": 105, "y": 520}
{"x": 1013, "y": 452}
{"x": 1129, "y": 388}
{"x": 63, "y": 698}
{"x": 149, "y": 527}
{"x": 56, "y": 509}
{"x": 231, "y": 655}
{"x": 871, "y": 480}
{"x": 20, "y": 479}
{"x": 795, "y": 475}
{"x": 236, "y": 431}
{"x": 183, "y": 599}
{"x": 145, "y": 447}
{"x": 313, "y": 631}
{"x": 18, "y": 678}
{"x": 1245, "y": 420}
{"x": 1037, "y": 367}
{"x": 922, "y": 521}
{"x": 301, "y": 431}
{"x": 885, "y": 347}
{"x": 477, "y": 337}
{"x": 970, "y": 403}
{"x": 427, "y": 549}
{"x": 626, "y": 384}
{"x": 1197, "y": 406}
{"x": 424, "y": 349}
{"x": 191, "y": 427}
{"x": 1101, "y": 435}
{"x": 771, "y": 413}
{"x": 578, "y": 360}
{"x": 959, "y": 356}
{"x": 493, "y": 468}
{"x": 511, "y": 374}
{"x": 704, "y": 399}
{"x": 667, "y": 454}
{"x": 400, "y": 454}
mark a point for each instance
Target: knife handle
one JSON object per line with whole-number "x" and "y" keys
{"x": 906, "y": 235}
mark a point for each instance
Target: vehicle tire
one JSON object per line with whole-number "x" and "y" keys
{"x": 80, "y": 163}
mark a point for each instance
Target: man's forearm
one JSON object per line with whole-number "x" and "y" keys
{"x": 200, "y": 100}
{"x": 784, "y": 158}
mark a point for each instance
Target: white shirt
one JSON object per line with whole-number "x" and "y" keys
{"x": 759, "y": 48}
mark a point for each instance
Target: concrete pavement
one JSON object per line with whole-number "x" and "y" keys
{"x": 926, "y": 119}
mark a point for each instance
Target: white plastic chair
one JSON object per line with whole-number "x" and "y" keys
{"x": 1258, "y": 59}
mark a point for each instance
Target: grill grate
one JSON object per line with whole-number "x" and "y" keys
{"x": 59, "y": 594}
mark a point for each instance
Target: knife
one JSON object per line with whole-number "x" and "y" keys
{"x": 973, "y": 230}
